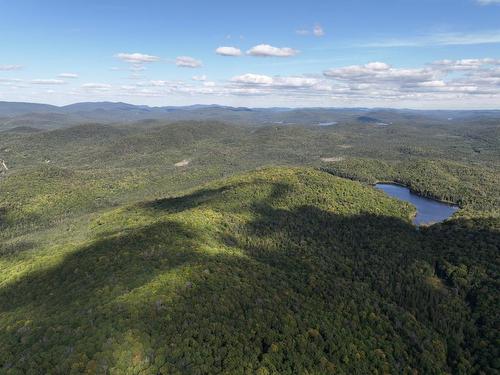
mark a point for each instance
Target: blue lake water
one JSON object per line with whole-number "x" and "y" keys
{"x": 429, "y": 211}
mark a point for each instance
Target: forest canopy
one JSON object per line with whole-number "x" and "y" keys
{"x": 195, "y": 248}
{"x": 283, "y": 270}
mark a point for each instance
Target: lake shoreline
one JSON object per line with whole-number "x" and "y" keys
{"x": 437, "y": 199}
{"x": 428, "y": 211}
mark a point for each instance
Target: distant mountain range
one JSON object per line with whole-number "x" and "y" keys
{"x": 26, "y": 116}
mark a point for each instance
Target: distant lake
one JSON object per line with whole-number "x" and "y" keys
{"x": 429, "y": 211}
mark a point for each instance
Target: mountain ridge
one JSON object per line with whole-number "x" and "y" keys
{"x": 15, "y": 114}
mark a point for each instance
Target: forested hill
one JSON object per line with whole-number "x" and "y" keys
{"x": 276, "y": 271}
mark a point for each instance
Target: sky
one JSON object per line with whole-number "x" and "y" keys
{"x": 423, "y": 54}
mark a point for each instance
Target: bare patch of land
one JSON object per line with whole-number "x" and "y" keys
{"x": 333, "y": 159}
{"x": 182, "y": 163}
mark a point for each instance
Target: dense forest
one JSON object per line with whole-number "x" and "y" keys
{"x": 470, "y": 187}
{"x": 200, "y": 248}
{"x": 68, "y": 172}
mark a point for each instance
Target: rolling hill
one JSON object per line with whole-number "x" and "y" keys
{"x": 52, "y": 117}
{"x": 281, "y": 270}
{"x": 196, "y": 247}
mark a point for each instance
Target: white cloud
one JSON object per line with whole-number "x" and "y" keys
{"x": 159, "y": 83}
{"x": 431, "y": 84}
{"x": 266, "y": 50}
{"x": 137, "y": 68}
{"x": 199, "y": 78}
{"x": 12, "y": 82}
{"x": 137, "y": 62}
{"x": 68, "y": 75}
{"x": 464, "y": 64}
{"x": 187, "y": 62}
{"x": 137, "y": 58}
{"x": 48, "y": 82}
{"x": 256, "y": 79}
{"x": 275, "y": 82}
{"x": 97, "y": 86}
{"x": 439, "y": 39}
{"x": 377, "y": 66}
{"x": 318, "y": 30}
{"x": 488, "y": 2}
{"x": 303, "y": 32}
{"x": 379, "y": 72}
{"x": 228, "y": 51}
{"x": 9, "y": 67}
{"x": 458, "y": 39}
{"x": 296, "y": 82}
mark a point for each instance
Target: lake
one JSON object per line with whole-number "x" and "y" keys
{"x": 429, "y": 211}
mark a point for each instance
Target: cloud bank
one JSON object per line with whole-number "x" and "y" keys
{"x": 449, "y": 83}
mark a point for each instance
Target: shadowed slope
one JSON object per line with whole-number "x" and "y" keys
{"x": 276, "y": 271}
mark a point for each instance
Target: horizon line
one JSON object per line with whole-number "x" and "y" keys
{"x": 255, "y": 108}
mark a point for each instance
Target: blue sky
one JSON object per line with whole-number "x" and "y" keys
{"x": 405, "y": 53}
